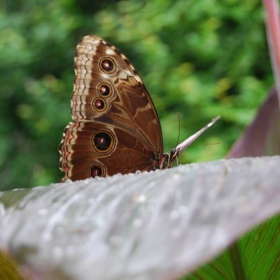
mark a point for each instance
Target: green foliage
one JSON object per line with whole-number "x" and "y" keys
{"x": 253, "y": 257}
{"x": 197, "y": 58}
{"x": 9, "y": 269}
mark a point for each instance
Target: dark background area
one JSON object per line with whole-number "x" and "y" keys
{"x": 198, "y": 59}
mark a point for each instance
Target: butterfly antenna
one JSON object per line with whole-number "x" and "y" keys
{"x": 193, "y": 137}
{"x": 179, "y": 129}
{"x": 178, "y": 139}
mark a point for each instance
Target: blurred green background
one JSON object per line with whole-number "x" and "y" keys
{"x": 197, "y": 58}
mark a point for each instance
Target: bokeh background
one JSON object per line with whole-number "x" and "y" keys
{"x": 198, "y": 59}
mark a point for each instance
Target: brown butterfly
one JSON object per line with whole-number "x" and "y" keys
{"x": 115, "y": 126}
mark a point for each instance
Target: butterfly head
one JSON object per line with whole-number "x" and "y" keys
{"x": 165, "y": 160}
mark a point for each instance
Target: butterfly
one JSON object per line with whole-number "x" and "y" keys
{"x": 115, "y": 127}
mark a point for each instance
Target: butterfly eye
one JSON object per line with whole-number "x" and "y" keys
{"x": 97, "y": 171}
{"x": 102, "y": 141}
{"x": 105, "y": 90}
{"x": 99, "y": 104}
{"x": 107, "y": 65}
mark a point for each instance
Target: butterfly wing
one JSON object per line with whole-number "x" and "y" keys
{"x": 116, "y": 128}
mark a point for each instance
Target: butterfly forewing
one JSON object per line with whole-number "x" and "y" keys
{"x": 126, "y": 102}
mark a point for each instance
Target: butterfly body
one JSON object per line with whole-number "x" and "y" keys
{"x": 115, "y": 127}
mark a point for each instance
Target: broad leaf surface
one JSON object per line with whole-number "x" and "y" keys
{"x": 157, "y": 225}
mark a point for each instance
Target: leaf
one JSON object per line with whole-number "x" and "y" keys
{"x": 156, "y": 225}
{"x": 8, "y": 269}
{"x": 262, "y": 136}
